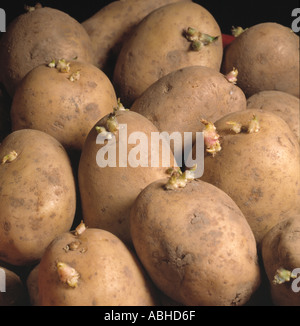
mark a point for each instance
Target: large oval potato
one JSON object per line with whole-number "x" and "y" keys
{"x": 111, "y": 26}
{"x": 267, "y": 58}
{"x": 109, "y": 181}
{"x": 159, "y": 45}
{"x": 66, "y": 105}
{"x": 258, "y": 166}
{"x": 92, "y": 268}
{"x": 37, "y": 195}
{"x": 195, "y": 244}
{"x": 280, "y": 253}
{"x": 178, "y": 101}
{"x": 284, "y": 104}
{"x": 37, "y": 37}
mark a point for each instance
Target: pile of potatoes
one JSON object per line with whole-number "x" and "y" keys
{"x": 91, "y": 213}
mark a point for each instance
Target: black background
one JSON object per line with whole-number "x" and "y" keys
{"x": 227, "y": 13}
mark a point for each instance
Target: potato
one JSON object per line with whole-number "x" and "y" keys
{"x": 160, "y": 44}
{"x": 195, "y": 244}
{"x": 281, "y": 103}
{"x": 64, "y": 104}
{"x": 12, "y": 290}
{"x": 37, "y": 195}
{"x": 280, "y": 253}
{"x": 267, "y": 58}
{"x": 109, "y": 185}
{"x": 257, "y": 166}
{"x": 112, "y": 24}
{"x": 92, "y": 268}
{"x": 177, "y": 101}
{"x": 37, "y": 37}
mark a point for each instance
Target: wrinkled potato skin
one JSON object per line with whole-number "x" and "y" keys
{"x": 47, "y": 100}
{"x": 110, "y": 27}
{"x": 158, "y": 46}
{"x": 195, "y": 244}
{"x": 38, "y": 37}
{"x": 281, "y": 103}
{"x": 37, "y": 195}
{"x": 177, "y": 101}
{"x": 259, "y": 171}
{"x": 110, "y": 274}
{"x": 280, "y": 250}
{"x": 267, "y": 58}
{"x": 107, "y": 193}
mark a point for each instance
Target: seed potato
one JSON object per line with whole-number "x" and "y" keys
{"x": 109, "y": 185}
{"x": 257, "y": 166}
{"x": 287, "y": 106}
{"x": 195, "y": 244}
{"x": 111, "y": 26}
{"x": 201, "y": 242}
{"x": 267, "y": 58}
{"x": 280, "y": 255}
{"x": 92, "y": 268}
{"x": 37, "y": 195}
{"x": 64, "y": 101}
{"x": 159, "y": 45}
{"x": 177, "y": 101}
{"x": 37, "y": 37}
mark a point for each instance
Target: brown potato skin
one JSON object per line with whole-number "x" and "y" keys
{"x": 47, "y": 100}
{"x": 111, "y": 26}
{"x": 280, "y": 250}
{"x": 37, "y": 195}
{"x": 259, "y": 171}
{"x": 195, "y": 244}
{"x": 281, "y": 103}
{"x": 110, "y": 274}
{"x": 267, "y": 58}
{"x": 107, "y": 193}
{"x": 38, "y": 37}
{"x": 158, "y": 46}
{"x": 177, "y": 101}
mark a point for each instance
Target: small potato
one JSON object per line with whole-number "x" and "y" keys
{"x": 37, "y": 37}
{"x": 112, "y": 25}
{"x": 37, "y": 195}
{"x": 267, "y": 58}
{"x": 160, "y": 44}
{"x": 280, "y": 254}
{"x": 285, "y": 105}
{"x": 257, "y": 166}
{"x": 92, "y": 268}
{"x": 63, "y": 103}
{"x": 178, "y": 101}
{"x": 195, "y": 244}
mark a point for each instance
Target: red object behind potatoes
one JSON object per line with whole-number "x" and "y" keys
{"x": 227, "y": 39}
